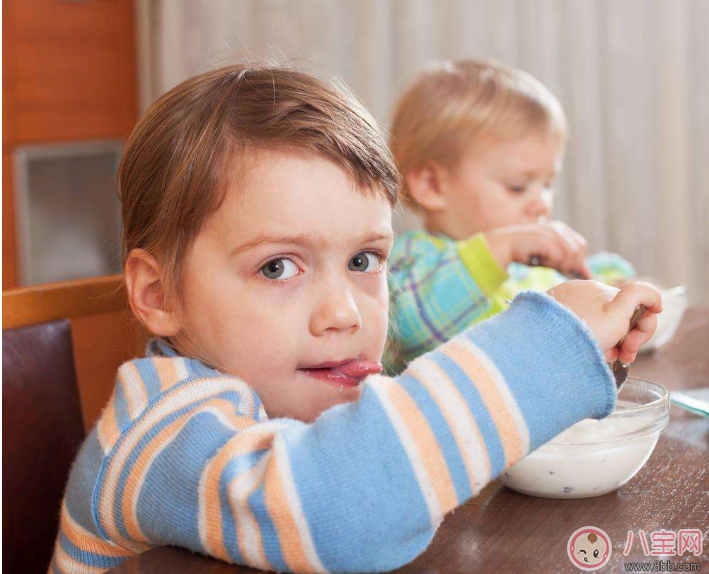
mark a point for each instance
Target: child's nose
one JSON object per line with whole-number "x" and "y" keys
{"x": 336, "y": 311}
{"x": 540, "y": 203}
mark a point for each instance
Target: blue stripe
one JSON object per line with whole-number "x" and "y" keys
{"x": 90, "y": 558}
{"x": 230, "y": 533}
{"x": 443, "y": 433}
{"x": 198, "y": 441}
{"x": 488, "y": 428}
{"x": 366, "y": 498}
{"x": 536, "y": 327}
{"x": 130, "y": 461}
{"x": 138, "y": 449}
{"x": 257, "y": 406}
{"x": 269, "y": 535}
{"x": 121, "y": 405}
{"x": 195, "y": 367}
{"x": 82, "y": 481}
{"x": 150, "y": 377}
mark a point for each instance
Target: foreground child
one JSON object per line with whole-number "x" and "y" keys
{"x": 479, "y": 146}
{"x": 257, "y": 221}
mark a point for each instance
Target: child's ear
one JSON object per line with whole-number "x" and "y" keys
{"x": 424, "y": 186}
{"x": 146, "y": 294}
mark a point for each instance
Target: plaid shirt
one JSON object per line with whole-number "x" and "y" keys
{"x": 440, "y": 286}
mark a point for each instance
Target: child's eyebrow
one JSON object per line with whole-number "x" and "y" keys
{"x": 306, "y": 239}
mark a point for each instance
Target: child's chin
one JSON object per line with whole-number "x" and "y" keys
{"x": 332, "y": 399}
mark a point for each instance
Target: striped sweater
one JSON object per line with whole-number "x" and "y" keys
{"x": 185, "y": 455}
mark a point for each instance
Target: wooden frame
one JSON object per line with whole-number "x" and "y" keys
{"x": 43, "y": 303}
{"x": 104, "y": 332}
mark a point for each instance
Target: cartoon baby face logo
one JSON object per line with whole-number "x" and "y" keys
{"x": 589, "y": 548}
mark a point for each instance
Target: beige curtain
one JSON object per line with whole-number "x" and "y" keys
{"x": 633, "y": 77}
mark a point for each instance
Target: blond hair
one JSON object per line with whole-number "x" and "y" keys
{"x": 179, "y": 159}
{"x": 452, "y": 103}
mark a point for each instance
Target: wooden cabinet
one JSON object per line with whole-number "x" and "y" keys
{"x": 72, "y": 69}
{"x": 69, "y": 73}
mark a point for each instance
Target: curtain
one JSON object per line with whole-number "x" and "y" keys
{"x": 632, "y": 76}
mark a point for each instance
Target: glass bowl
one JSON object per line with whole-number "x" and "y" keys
{"x": 674, "y": 304}
{"x": 596, "y": 457}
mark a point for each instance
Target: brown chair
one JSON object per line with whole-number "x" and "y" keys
{"x": 61, "y": 347}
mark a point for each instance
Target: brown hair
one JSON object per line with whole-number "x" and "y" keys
{"x": 453, "y": 101}
{"x": 175, "y": 169}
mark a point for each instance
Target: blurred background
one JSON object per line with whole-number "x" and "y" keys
{"x": 633, "y": 78}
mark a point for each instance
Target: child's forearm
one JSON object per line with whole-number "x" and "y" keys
{"x": 364, "y": 487}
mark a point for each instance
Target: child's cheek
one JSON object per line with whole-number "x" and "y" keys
{"x": 376, "y": 316}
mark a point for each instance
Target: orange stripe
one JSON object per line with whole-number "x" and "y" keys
{"x": 167, "y": 373}
{"x": 118, "y": 460}
{"x": 211, "y": 506}
{"x": 86, "y": 540}
{"x": 205, "y": 389}
{"x": 283, "y": 520}
{"x": 427, "y": 445}
{"x": 139, "y": 469}
{"x": 240, "y": 444}
{"x": 471, "y": 425}
{"x": 487, "y": 386}
{"x": 239, "y": 508}
{"x": 250, "y": 408}
{"x": 132, "y": 485}
{"x": 67, "y": 564}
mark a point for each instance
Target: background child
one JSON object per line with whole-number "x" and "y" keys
{"x": 478, "y": 146}
{"x": 257, "y": 224}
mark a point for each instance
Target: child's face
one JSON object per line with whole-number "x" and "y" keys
{"x": 286, "y": 284}
{"x": 500, "y": 183}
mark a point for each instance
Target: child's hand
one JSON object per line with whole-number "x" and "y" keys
{"x": 607, "y": 312}
{"x": 558, "y": 246}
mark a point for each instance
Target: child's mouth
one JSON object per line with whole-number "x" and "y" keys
{"x": 348, "y": 373}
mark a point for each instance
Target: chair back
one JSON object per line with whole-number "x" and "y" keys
{"x": 52, "y": 335}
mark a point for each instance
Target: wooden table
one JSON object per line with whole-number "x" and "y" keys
{"x": 501, "y": 531}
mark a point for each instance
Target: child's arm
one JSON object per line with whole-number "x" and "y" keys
{"x": 439, "y": 288}
{"x": 365, "y": 487}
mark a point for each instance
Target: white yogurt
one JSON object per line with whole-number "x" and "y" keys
{"x": 589, "y": 459}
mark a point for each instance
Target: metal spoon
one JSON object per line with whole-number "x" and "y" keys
{"x": 620, "y": 370}
{"x": 536, "y": 261}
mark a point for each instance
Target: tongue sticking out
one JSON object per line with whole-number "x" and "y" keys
{"x": 349, "y": 373}
{"x": 358, "y": 369}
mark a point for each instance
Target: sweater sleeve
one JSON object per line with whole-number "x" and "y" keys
{"x": 439, "y": 287}
{"x": 364, "y": 487}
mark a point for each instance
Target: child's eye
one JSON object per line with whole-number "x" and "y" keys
{"x": 366, "y": 262}
{"x": 279, "y": 269}
{"x": 516, "y": 188}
